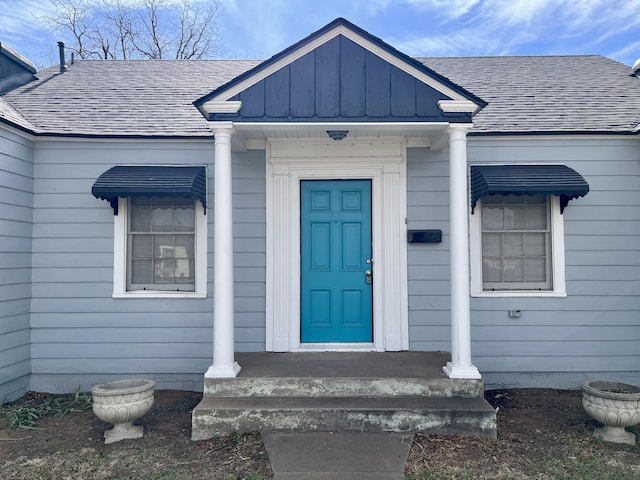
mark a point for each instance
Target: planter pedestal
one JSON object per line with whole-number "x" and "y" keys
{"x": 615, "y": 405}
{"x": 121, "y": 403}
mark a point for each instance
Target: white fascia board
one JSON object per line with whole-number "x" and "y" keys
{"x": 358, "y": 39}
{"x": 506, "y": 136}
{"x": 216, "y": 106}
{"x": 319, "y": 126}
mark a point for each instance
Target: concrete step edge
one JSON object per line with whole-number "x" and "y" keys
{"x": 343, "y": 386}
{"x": 343, "y": 403}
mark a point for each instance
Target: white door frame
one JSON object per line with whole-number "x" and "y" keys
{"x": 383, "y": 161}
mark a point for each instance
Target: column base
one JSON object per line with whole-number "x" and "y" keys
{"x": 223, "y": 371}
{"x": 453, "y": 371}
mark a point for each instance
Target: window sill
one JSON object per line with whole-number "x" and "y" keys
{"x": 158, "y": 294}
{"x": 521, "y": 294}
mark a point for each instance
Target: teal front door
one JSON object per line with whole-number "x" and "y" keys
{"x": 336, "y": 280}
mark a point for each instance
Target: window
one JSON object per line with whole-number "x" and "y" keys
{"x": 160, "y": 248}
{"x": 161, "y": 244}
{"x": 517, "y": 246}
{"x": 515, "y": 243}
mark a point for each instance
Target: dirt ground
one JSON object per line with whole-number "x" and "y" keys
{"x": 542, "y": 434}
{"x": 72, "y": 447}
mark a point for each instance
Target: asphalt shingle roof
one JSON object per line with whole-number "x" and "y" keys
{"x": 123, "y": 97}
{"x": 155, "y": 98}
{"x": 585, "y": 93}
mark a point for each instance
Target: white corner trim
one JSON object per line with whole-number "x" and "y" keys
{"x": 381, "y": 160}
{"x": 120, "y": 258}
{"x": 227, "y": 106}
{"x": 457, "y": 106}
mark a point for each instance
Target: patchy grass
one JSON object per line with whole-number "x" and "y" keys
{"x": 26, "y": 414}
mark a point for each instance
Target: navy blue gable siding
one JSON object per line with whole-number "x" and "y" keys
{"x": 340, "y": 82}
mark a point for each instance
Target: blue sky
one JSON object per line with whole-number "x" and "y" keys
{"x": 260, "y": 28}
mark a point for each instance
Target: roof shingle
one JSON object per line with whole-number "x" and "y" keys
{"x": 545, "y": 94}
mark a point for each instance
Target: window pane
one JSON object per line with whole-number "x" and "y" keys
{"x": 536, "y": 269}
{"x": 492, "y": 269}
{"x": 492, "y": 244}
{"x": 536, "y": 244}
{"x": 492, "y": 218}
{"x": 184, "y": 219}
{"x": 183, "y": 202}
{"x": 141, "y": 271}
{"x": 162, "y": 201}
{"x": 162, "y": 219}
{"x": 140, "y": 219}
{"x": 141, "y": 246}
{"x": 536, "y": 217}
{"x": 513, "y": 244}
{"x": 140, "y": 201}
{"x": 514, "y": 217}
{"x": 513, "y": 270}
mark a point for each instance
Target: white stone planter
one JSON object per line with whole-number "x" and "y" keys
{"x": 616, "y": 406}
{"x": 121, "y": 403}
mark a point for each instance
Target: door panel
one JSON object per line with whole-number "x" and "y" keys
{"x": 335, "y": 235}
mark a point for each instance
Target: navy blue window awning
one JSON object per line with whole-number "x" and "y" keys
{"x": 558, "y": 180}
{"x": 151, "y": 181}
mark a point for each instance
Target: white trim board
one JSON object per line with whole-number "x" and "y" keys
{"x": 384, "y": 162}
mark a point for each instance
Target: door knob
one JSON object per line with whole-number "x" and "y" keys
{"x": 368, "y": 276}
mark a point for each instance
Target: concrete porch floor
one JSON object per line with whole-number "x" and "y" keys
{"x": 343, "y": 391}
{"x": 344, "y": 364}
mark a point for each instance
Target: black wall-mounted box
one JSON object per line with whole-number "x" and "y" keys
{"x": 424, "y": 236}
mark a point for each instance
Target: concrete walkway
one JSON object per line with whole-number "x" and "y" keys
{"x": 337, "y": 456}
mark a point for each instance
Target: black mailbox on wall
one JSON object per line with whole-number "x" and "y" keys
{"x": 424, "y": 236}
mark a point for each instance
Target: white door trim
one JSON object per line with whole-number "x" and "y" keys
{"x": 383, "y": 160}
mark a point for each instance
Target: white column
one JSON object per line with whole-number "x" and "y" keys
{"x": 224, "y": 364}
{"x": 460, "y": 365}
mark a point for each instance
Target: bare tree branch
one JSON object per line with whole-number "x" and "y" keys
{"x": 137, "y": 29}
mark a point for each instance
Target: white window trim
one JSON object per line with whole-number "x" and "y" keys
{"x": 120, "y": 258}
{"x": 557, "y": 257}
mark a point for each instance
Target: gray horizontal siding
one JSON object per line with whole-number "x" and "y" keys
{"x": 80, "y": 335}
{"x": 594, "y": 332}
{"x": 16, "y": 214}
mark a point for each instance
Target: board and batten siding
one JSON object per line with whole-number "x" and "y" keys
{"x": 557, "y": 342}
{"x": 80, "y": 334}
{"x": 16, "y": 203}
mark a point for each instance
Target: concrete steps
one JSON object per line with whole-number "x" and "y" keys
{"x": 398, "y": 392}
{"x": 461, "y": 416}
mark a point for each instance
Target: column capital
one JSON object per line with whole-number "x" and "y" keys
{"x": 458, "y": 131}
{"x": 221, "y": 128}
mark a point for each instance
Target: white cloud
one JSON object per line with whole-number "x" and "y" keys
{"x": 448, "y": 8}
{"x": 495, "y": 27}
{"x": 630, "y": 52}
